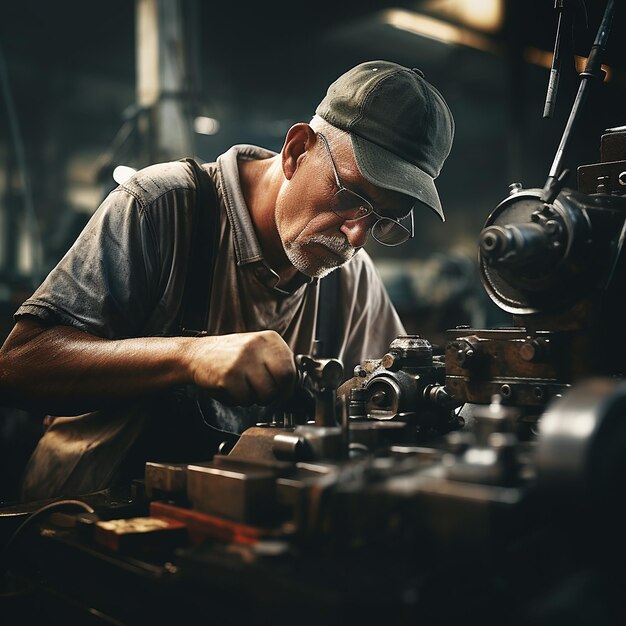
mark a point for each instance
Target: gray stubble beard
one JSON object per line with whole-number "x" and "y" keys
{"x": 296, "y": 253}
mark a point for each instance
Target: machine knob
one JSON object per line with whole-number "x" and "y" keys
{"x": 533, "y": 350}
{"x": 514, "y": 245}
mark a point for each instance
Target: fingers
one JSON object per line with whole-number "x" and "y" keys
{"x": 282, "y": 370}
{"x": 272, "y": 373}
{"x": 244, "y": 369}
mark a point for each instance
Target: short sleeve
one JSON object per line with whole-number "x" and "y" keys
{"x": 123, "y": 276}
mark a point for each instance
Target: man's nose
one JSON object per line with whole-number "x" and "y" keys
{"x": 357, "y": 231}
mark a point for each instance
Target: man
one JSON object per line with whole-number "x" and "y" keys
{"x": 98, "y": 340}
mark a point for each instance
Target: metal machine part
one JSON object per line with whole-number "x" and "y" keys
{"x": 581, "y": 449}
{"x": 325, "y": 375}
{"x": 406, "y": 386}
{"x": 609, "y": 175}
{"x": 525, "y": 369}
{"x": 483, "y": 475}
{"x": 239, "y": 483}
{"x": 378, "y": 537}
{"x": 488, "y": 454}
{"x": 539, "y": 258}
{"x": 402, "y": 400}
{"x": 554, "y": 259}
{"x": 559, "y": 268}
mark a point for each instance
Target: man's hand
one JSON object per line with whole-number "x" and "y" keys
{"x": 243, "y": 369}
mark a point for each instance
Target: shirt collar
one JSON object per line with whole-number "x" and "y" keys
{"x": 247, "y": 247}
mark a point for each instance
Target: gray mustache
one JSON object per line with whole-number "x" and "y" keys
{"x": 338, "y": 245}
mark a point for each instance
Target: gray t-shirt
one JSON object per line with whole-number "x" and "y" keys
{"x": 124, "y": 276}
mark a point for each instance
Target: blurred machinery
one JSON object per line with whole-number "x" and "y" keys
{"x": 480, "y": 481}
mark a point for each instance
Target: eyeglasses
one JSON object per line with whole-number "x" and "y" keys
{"x": 350, "y": 206}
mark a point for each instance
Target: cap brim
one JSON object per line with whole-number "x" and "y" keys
{"x": 384, "y": 169}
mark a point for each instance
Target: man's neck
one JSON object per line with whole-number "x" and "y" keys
{"x": 260, "y": 183}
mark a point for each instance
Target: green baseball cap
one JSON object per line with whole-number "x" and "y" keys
{"x": 400, "y": 126}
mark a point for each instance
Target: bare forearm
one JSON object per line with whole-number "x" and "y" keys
{"x": 64, "y": 371}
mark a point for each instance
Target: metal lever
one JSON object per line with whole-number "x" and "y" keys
{"x": 325, "y": 375}
{"x": 593, "y": 69}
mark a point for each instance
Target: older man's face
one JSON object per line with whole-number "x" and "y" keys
{"x": 315, "y": 239}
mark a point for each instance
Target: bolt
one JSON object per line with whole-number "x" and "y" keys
{"x": 391, "y": 362}
{"x": 360, "y": 371}
{"x": 490, "y": 242}
{"x": 506, "y": 391}
{"x": 622, "y": 178}
{"x": 603, "y": 184}
{"x": 466, "y": 352}
{"x": 552, "y": 227}
{"x": 532, "y": 350}
{"x": 464, "y": 357}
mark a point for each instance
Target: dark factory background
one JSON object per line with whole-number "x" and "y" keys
{"x": 90, "y": 86}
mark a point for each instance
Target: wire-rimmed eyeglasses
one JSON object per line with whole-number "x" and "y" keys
{"x": 388, "y": 231}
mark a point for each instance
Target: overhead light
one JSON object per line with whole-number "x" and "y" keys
{"x": 206, "y": 125}
{"x": 436, "y": 29}
{"x": 122, "y": 173}
{"x": 485, "y": 15}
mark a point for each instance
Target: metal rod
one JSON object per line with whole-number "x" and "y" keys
{"x": 555, "y": 70}
{"x": 593, "y": 70}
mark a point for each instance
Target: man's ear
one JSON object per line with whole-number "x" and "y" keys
{"x": 299, "y": 140}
